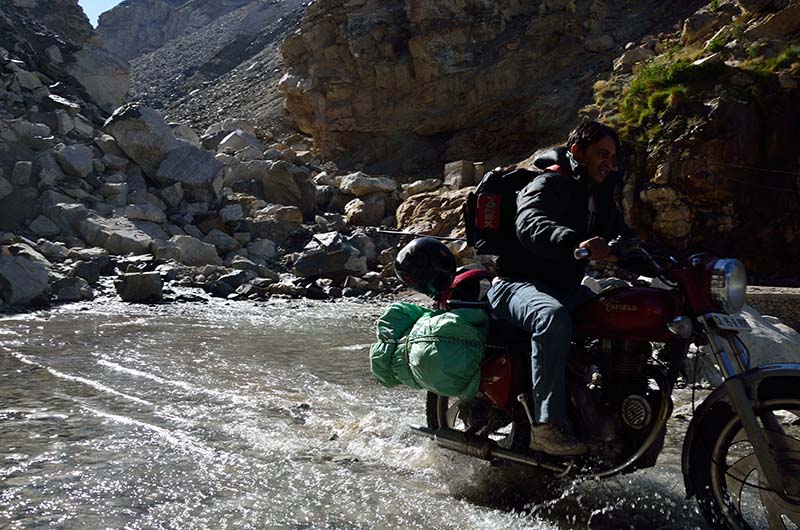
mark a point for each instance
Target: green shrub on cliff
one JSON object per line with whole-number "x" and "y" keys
{"x": 660, "y": 83}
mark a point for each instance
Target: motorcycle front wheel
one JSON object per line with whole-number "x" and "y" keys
{"x": 731, "y": 492}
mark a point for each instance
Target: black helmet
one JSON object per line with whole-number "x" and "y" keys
{"x": 426, "y": 265}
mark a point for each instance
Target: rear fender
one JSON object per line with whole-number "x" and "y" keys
{"x": 753, "y": 380}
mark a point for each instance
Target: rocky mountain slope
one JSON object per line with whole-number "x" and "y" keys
{"x": 87, "y": 198}
{"x": 202, "y": 60}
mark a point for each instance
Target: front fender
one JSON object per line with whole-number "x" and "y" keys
{"x": 752, "y": 380}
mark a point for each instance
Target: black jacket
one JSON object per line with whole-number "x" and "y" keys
{"x": 555, "y": 213}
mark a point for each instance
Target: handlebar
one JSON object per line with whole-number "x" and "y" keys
{"x": 632, "y": 248}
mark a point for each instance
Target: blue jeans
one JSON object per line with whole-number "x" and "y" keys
{"x": 545, "y": 312}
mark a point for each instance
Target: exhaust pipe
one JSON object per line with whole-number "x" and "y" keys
{"x": 483, "y": 448}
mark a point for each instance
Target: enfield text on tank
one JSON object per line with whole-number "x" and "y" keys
{"x": 741, "y": 453}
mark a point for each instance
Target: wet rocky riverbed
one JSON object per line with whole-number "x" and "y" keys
{"x": 245, "y": 415}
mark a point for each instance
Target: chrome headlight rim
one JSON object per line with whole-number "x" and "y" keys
{"x": 729, "y": 285}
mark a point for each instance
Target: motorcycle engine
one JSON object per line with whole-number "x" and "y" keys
{"x": 613, "y": 396}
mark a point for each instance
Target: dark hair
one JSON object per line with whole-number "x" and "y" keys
{"x": 590, "y": 132}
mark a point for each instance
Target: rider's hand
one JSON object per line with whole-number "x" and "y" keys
{"x": 599, "y": 248}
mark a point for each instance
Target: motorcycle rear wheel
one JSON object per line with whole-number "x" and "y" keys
{"x": 444, "y": 412}
{"x": 725, "y": 471}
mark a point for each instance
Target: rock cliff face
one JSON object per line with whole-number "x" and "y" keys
{"x": 135, "y": 27}
{"x": 712, "y": 135}
{"x": 407, "y": 85}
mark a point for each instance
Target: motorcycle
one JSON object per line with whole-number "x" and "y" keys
{"x": 741, "y": 452}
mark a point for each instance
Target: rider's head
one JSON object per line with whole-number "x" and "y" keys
{"x": 595, "y": 146}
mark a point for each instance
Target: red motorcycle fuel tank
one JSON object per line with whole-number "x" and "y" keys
{"x": 632, "y": 313}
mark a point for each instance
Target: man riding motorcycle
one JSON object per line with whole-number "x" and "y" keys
{"x": 539, "y": 280}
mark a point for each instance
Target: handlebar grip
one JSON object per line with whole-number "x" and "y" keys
{"x": 582, "y": 253}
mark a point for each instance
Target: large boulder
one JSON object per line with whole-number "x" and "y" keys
{"x": 287, "y": 184}
{"x": 21, "y": 280}
{"x": 140, "y": 287}
{"x": 143, "y": 135}
{"x": 199, "y": 173}
{"x": 769, "y": 340}
{"x": 196, "y": 253}
{"x": 117, "y": 235}
{"x": 104, "y": 76}
{"x": 330, "y": 255}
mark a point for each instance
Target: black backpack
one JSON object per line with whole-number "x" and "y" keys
{"x": 491, "y": 210}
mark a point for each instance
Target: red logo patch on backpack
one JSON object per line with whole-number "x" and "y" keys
{"x": 489, "y": 206}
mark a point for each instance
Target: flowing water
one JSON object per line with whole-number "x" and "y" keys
{"x": 243, "y": 415}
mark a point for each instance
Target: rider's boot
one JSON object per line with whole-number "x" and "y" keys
{"x": 548, "y": 438}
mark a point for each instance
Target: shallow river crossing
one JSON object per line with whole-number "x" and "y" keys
{"x": 262, "y": 416}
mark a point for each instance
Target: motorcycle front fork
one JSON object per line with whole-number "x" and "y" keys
{"x": 732, "y": 360}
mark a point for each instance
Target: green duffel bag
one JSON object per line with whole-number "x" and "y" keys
{"x": 387, "y": 357}
{"x": 445, "y": 351}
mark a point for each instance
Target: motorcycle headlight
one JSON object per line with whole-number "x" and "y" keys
{"x": 729, "y": 285}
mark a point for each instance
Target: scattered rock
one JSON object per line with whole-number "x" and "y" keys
{"x": 42, "y": 226}
{"x": 22, "y": 281}
{"x": 196, "y": 169}
{"x": 360, "y": 184}
{"x": 195, "y": 252}
{"x": 262, "y": 248}
{"x": 75, "y": 160}
{"x": 222, "y": 241}
{"x": 366, "y": 211}
{"x": 140, "y": 287}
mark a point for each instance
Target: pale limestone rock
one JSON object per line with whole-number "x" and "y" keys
{"x": 359, "y": 184}
{"x": 196, "y": 253}
{"x": 421, "y": 186}
{"x": 238, "y": 140}
{"x": 289, "y": 214}
{"x": 632, "y": 57}
{"x": 367, "y": 210}
{"x": 184, "y": 132}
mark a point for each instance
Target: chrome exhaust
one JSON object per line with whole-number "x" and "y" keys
{"x": 483, "y": 448}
